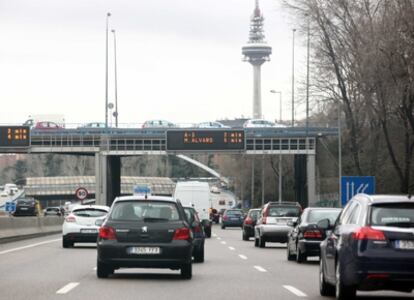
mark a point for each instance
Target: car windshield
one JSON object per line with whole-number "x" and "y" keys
{"x": 145, "y": 211}
{"x": 393, "y": 214}
{"x": 316, "y": 215}
{"x": 284, "y": 211}
{"x": 89, "y": 212}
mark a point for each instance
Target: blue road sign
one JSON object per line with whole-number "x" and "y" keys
{"x": 352, "y": 185}
{"x": 142, "y": 190}
{"x": 10, "y": 207}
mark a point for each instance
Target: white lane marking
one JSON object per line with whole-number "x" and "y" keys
{"x": 223, "y": 242}
{"x": 214, "y": 235}
{"x": 232, "y": 248}
{"x": 260, "y": 269}
{"x": 295, "y": 291}
{"x": 242, "y": 256}
{"x": 219, "y": 238}
{"x": 67, "y": 288}
{"x": 29, "y": 246}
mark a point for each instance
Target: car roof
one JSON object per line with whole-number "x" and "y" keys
{"x": 382, "y": 198}
{"x": 104, "y": 207}
{"x": 322, "y": 208}
{"x": 145, "y": 198}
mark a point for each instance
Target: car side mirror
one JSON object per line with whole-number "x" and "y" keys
{"x": 99, "y": 222}
{"x": 324, "y": 224}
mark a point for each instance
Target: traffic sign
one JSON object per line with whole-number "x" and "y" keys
{"x": 81, "y": 193}
{"x": 142, "y": 189}
{"x": 10, "y": 207}
{"x": 352, "y": 185}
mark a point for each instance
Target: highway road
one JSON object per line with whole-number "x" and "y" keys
{"x": 234, "y": 269}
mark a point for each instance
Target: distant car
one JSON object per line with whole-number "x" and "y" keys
{"x": 25, "y": 207}
{"x": 215, "y": 190}
{"x": 145, "y": 232}
{"x": 249, "y": 223}
{"x": 52, "y": 211}
{"x": 232, "y": 218}
{"x": 158, "y": 124}
{"x": 79, "y": 225}
{"x": 370, "y": 247}
{"x": 305, "y": 238}
{"x": 93, "y": 125}
{"x": 272, "y": 225}
{"x": 46, "y": 125}
{"x": 198, "y": 233}
{"x": 211, "y": 125}
{"x": 260, "y": 123}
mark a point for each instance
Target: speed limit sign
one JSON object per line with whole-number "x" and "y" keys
{"x": 81, "y": 193}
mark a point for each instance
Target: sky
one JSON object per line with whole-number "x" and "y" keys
{"x": 178, "y": 60}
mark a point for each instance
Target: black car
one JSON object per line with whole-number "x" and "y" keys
{"x": 249, "y": 223}
{"x": 371, "y": 247}
{"x": 145, "y": 232}
{"x": 198, "y": 233}
{"x": 25, "y": 207}
{"x": 305, "y": 238}
{"x": 53, "y": 211}
{"x": 232, "y": 218}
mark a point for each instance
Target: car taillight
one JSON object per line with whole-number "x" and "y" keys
{"x": 248, "y": 221}
{"x": 182, "y": 234}
{"x": 368, "y": 233}
{"x": 312, "y": 234}
{"x": 107, "y": 233}
{"x": 70, "y": 218}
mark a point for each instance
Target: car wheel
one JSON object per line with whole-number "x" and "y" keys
{"x": 66, "y": 243}
{"x": 199, "y": 254}
{"x": 325, "y": 289}
{"x": 103, "y": 270}
{"x": 300, "y": 257}
{"x": 256, "y": 242}
{"x": 262, "y": 242}
{"x": 343, "y": 292}
{"x": 290, "y": 256}
{"x": 245, "y": 236}
{"x": 223, "y": 227}
{"x": 208, "y": 232}
{"x": 187, "y": 271}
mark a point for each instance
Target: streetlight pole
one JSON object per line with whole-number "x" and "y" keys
{"x": 307, "y": 79}
{"x": 106, "y": 71}
{"x": 116, "y": 82}
{"x": 293, "y": 76}
{"x": 280, "y": 155}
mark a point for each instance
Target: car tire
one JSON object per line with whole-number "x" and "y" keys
{"x": 245, "y": 236}
{"x": 199, "y": 255}
{"x": 187, "y": 271}
{"x": 300, "y": 257}
{"x": 66, "y": 243}
{"x": 103, "y": 270}
{"x": 343, "y": 292}
{"x": 290, "y": 256}
{"x": 256, "y": 242}
{"x": 262, "y": 242}
{"x": 207, "y": 231}
{"x": 223, "y": 227}
{"x": 325, "y": 289}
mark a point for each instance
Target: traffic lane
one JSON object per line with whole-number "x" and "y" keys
{"x": 273, "y": 258}
{"x": 38, "y": 268}
{"x": 223, "y": 275}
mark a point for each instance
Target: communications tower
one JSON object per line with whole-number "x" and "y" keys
{"x": 256, "y": 52}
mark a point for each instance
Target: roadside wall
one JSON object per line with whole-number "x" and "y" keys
{"x": 14, "y": 227}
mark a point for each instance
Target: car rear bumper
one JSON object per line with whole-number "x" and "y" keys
{"x": 275, "y": 233}
{"x": 78, "y": 237}
{"x": 309, "y": 248}
{"x": 171, "y": 256}
{"x": 232, "y": 223}
{"x": 249, "y": 230}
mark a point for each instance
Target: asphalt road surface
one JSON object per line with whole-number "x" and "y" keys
{"x": 234, "y": 269}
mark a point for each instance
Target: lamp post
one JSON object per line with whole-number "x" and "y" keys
{"x": 106, "y": 71}
{"x": 280, "y": 155}
{"x": 293, "y": 76}
{"x": 116, "y": 114}
{"x": 307, "y": 78}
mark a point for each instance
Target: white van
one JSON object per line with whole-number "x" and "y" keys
{"x": 197, "y": 195}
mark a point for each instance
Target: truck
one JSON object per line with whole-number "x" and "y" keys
{"x": 196, "y": 194}
{"x": 56, "y": 118}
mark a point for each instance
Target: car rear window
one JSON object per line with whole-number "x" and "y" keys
{"x": 145, "y": 211}
{"x": 284, "y": 211}
{"x": 393, "y": 214}
{"x": 316, "y": 215}
{"x": 89, "y": 212}
{"x": 254, "y": 214}
{"x": 234, "y": 212}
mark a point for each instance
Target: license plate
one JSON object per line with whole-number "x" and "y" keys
{"x": 89, "y": 231}
{"x": 24, "y": 208}
{"x": 144, "y": 250}
{"x": 404, "y": 245}
{"x": 234, "y": 219}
